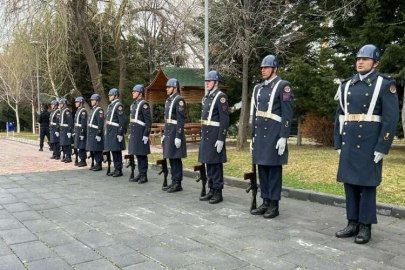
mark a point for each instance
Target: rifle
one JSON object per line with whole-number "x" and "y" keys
{"x": 108, "y": 160}
{"x": 252, "y": 176}
{"x": 202, "y": 176}
{"x": 131, "y": 164}
{"x": 164, "y": 170}
{"x": 92, "y": 158}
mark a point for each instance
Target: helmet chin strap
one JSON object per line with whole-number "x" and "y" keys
{"x": 268, "y": 77}
{"x": 212, "y": 88}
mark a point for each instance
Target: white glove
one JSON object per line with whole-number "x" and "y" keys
{"x": 69, "y": 135}
{"x": 177, "y": 143}
{"x": 74, "y": 134}
{"x": 81, "y": 138}
{"x": 339, "y": 150}
{"x": 145, "y": 139}
{"x": 163, "y": 138}
{"x": 378, "y": 156}
{"x": 57, "y": 134}
{"x": 219, "y": 145}
{"x": 251, "y": 145}
{"x": 98, "y": 138}
{"x": 281, "y": 143}
{"x": 120, "y": 138}
{"x": 129, "y": 136}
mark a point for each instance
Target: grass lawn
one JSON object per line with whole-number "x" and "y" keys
{"x": 25, "y": 135}
{"x": 315, "y": 167}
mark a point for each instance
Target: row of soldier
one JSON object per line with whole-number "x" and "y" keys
{"x": 364, "y": 133}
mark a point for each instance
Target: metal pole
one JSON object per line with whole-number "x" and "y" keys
{"x": 37, "y": 60}
{"x": 206, "y": 64}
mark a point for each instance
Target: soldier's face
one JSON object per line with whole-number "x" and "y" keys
{"x": 169, "y": 90}
{"x": 93, "y": 102}
{"x": 111, "y": 98}
{"x": 60, "y": 106}
{"x": 266, "y": 72}
{"x": 53, "y": 106}
{"x": 365, "y": 65}
{"x": 135, "y": 95}
{"x": 209, "y": 85}
{"x": 77, "y": 104}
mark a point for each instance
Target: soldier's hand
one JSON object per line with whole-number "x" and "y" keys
{"x": 120, "y": 138}
{"x": 69, "y": 135}
{"x": 98, "y": 138}
{"x": 378, "y": 157}
{"x": 74, "y": 134}
{"x": 163, "y": 138}
{"x": 281, "y": 144}
{"x": 177, "y": 143}
{"x": 57, "y": 134}
{"x": 129, "y": 136}
{"x": 339, "y": 150}
{"x": 219, "y": 145}
{"x": 251, "y": 145}
{"x": 145, "y": 139}
{"x": 81, "y": 138}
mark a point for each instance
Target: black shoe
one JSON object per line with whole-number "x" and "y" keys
{"x": 143, "y": 179}
{"x": 208, "y": 196}
{"x": 175, "y": 187}
{"x": 82, "y": 163}
{"x": 97, "y": 168}
{"x": 111, "y": 173}
{"x": 63, "y": 159}
{"x": 352, "y": 229}
{"x": 136, "y": 179}
{"x": 91, "y": 168}
{"x": 68, "y": 160}
{"x": 364, "y": 234}
{"x": 117, "y": 173}
{"x": 262, "y": 208}
{"x": 217, "y": 198}
{"x": 272, "y": 211}
{"x": 57, "y": 158}
{"x": 41, "y": 149}
{"x": 53, "y": 157}
{"x": 168, "y": 187}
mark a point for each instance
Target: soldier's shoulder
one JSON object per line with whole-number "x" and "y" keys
{"x": 286, "y": 86}
{"x": 258, "y": 85}
{"x": 387, "y": 78}
{"x": 346, "y": 80}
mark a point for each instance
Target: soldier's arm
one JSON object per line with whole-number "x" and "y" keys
{"x": 57, "y": 122}
{"x": 181, "y": 118}
{"x": 83, "y": 122}
{"x": 336, "y": 131}
{"x": 253, "y": 112}
{"x": 148, "y": 119}
{"x": 100, "y": 122}
{"x": 223, "y": 111}
{"x": 287, "y": 110}
{"x": 121, "y": 120}
{"x": 69, "y": 120}
{"x": 390, "y": 117}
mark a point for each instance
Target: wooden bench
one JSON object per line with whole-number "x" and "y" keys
{"x": 192, "y": 134}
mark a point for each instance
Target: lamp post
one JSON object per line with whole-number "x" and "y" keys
{"x": 206, "y": 59}
{"x": 36, "y": 44}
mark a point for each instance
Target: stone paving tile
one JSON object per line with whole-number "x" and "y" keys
{"x": 40, "y": 225}
{"x": 49, "y": 264}
{"x": 55, "y": 238}
{"x": 311, "y": 261}
{"x": 148, "y": 265}
{"x": 264, "y": 260}
{"x": 32, "y": 251}
{"x": 17, "y": 207}
{"x": 27, "y": 215}
{"x": 4, "y": 249}
{"x": 16, "y": 236}
{"x": 11, "y": 262}
{"x": 101, "y": 264}
{"x": 76, "y": 253}
{"x": 95, "y": 239}
{"x": 128, "y": 259}
{"x": 10, "y": 223}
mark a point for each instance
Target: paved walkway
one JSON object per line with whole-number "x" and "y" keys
{"x": 70, "y": 218}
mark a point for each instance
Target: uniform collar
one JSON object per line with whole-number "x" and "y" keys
{"x": 114, "y": 101}
{"x": 172, "y": 96}
{"x": 213, "y": 93}
{"x": 368, "y": 79}
{"x": 267, "y": 82}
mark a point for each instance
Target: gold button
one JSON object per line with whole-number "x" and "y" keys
{"x": 207, "y": 139}
{"x": 364, "y": 105}
{"x": 265, "y": 119}
{"x": 349, "y": 93}
{"x": 360, "y": 126}
{"x": 345, "y": 123}
{"x": 255, "y": 135}
{"x": 348, "y": 103}
{"x": 255, "y": 127}
{"x": 256, "y": 119}
{"x": 367, "y": 94}
{"x": 359, "y": 136}
{"x": 344, "y": 133}
{"x": 265, "y": 128}
{"x": 258, "y": 103}
{"x": 207, "y": 131}
{"x": 264, "y": 136}
{"x": 358, "y": 146}
{"x": 343, "y": 143}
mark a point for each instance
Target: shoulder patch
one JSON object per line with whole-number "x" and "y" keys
{"x": 393, "y": 89}
{"x": 83, "y": 113}
{"x": 100, "y": 112}
{"x": 287, "y": 89}
{"x": 120, "y": 108}
{"x": 67, "y": 112}
{"x": 347, "y": 79}
{"x": 386, "y": 76}
{"x": 181, "y": 103}
{"x": 222, "y": 100}
{"x": 145, "y": 106}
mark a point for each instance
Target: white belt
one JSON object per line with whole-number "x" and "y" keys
{"x": 53, "y": 124}
{"x": 113, "y": 124}
{"x": 210, "y": 123}
{"x": 93, "y": 126}
{"x": 137, "y": 121}
{"x": 266, "y": 114}
{"x": 64, "y": 125}
{"x": 170, "y": 121}
{"x": 363, "y": 118}
{"x": 78, "y": 125}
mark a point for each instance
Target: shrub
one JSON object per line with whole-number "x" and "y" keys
{"x": 318, "y": 128}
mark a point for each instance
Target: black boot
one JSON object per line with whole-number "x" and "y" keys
{"x": 352, "y": 229}
{"x": 57, "y": 158}
{"x": 97, "y": 167}
{"x": 53, "y": 157}
{"x": 136, "y": 179}
{"x": 175, "y": 187}
{"x": 68, "y": 159}
{"x": 272, "y": 211}
{"x": 168, "y": 187}
{"x": 91, "y": 168}
{"x": 217, "y": 198}
{"x": 82, "y": 163}
{"x": 143, "y": 178}
{"x": 117, "y": 173}
{"x": 41, "y": 148}
{"x": 207, "y": 197}
{"x": 364, "y": 234}
{"x": 262, "y": 208}
{"x": 111, "y": 173}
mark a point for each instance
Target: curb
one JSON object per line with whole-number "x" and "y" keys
{"x": 383, "y": 209}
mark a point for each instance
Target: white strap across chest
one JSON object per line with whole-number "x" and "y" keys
{"x": 213, "y": 105}
{"x": 272, "y": 95}
{"x": 113, "y": 111}
{"x": 171, "y": 107}
{"x": 53, "y": 115}
{"x": 78, "y": 115}
{"x": 94, "y": 113}
{"x": 62, "y": 118}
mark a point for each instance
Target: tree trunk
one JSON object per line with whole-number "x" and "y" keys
{"x": 17, "y": 117}
{"x": 299, "y": 133}
{"x": 33, "y": 117}
{"x": 79, "y": 11}
{"x": 244, "y": 113}
{"x": 403, "y": 113}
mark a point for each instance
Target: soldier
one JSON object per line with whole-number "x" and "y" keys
{"x": 365, "y": 125}
{"x": 271, "y": 116}
{"x": 43, "y": 121}
{"x": 174, "y": 140}
{"x": 54, "y": 121}
{"x": 66, "y": 129}
{"x": 95, "y": 128}
{"x": 139, "y": 129}
{"x": 214, "y": 127}
{"x": 114, "y": 132}
{"x": 80, "y": 131}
